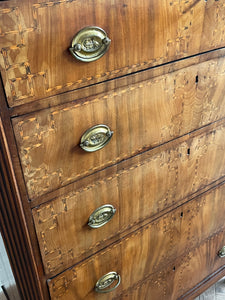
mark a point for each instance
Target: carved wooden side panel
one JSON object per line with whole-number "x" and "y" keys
{"x": 151, "y": 185}
{"x": 14, "y": 229}
{"x": 162, "y": 109}
{"x": 35, "y": 37}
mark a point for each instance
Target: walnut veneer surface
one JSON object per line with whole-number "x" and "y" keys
{"x": 161, "y": 89}
{"x": 144, "y": 34}
{"x": 172, "y": 100}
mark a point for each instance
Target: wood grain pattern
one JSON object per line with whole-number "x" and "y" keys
{"x": 164, "y": 169}
{"x": 113, "y": 84}
{"x": 189, "y": 99}
{"x": 14, "y": 229}
{"x": 157, "y": 181}
{"x": 16, "y": 209}
{"x": 144, "y": 34}
{"x": 126, "y": 165}
{"x": 163, "y": 242}
{"x": 179, "y": 277}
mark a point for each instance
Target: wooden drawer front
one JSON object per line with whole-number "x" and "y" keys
{"x": 138, "y": 192}
{"x": 178, "y": 278}
{"x": 35, "y": 37}
{"x": 150, "y": 249}
{"x": 143, "y": 115}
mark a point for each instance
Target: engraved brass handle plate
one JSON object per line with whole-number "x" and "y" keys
{"x": 222, "y": 252}
{"x": 89, "y": 44}
{"x": 95, "y": 138}
{"x": 101, "y": 216}
{"x": 110, "y": 279}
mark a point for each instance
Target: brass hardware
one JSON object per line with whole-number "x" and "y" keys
{"x": 89, "y": 44}
{"x": 105, "y": 281}
{"x": 95, "y": 138}
{"x": 222, "y": 252}
{"x": 101, "y": 216}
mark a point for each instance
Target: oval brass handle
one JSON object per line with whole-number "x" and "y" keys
{"x": 222, "y": 252}
{"x": 89, "y": 44}
{"x": 101, "y": 216}
{"x": 104, "y": 283}
{"x": 95, "y": 138}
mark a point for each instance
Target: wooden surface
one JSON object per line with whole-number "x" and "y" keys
{"x": 167, "y": 240}
{"x": 109, "y": 85}
{"x": 189, "y": 99}
{"x": 14, "y": 228}
{"x": 157, "y": 181}
{"x": 36, "y": 34}
{"x": 163, "y": 170}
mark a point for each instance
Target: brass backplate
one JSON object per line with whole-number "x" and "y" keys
{"x": 222, "y": 252}
{"x": 108, "y": 282}
{"x": 89, "y": 44}
{"x": 95, "y": 138}
{"x": 101, "y": 216}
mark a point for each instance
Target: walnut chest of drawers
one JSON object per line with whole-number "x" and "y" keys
{"x": 113, "y": 147}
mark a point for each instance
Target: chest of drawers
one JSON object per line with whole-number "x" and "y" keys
{"x": 112, "y": 147}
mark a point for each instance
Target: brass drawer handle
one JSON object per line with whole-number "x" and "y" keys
{"x": 89, "y": 44}
{"x": 101, "y": 216}
{"x": 105, "y": 281}
{"x": 222, "y": 252}
{"x": 95, "y": 138}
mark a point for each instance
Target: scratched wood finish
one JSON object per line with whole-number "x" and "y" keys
{"x": 142, "y": 116}
{"x": 150, "y": 249}
{"x": 36, "y": 34}
{"x": 157, "y": 181}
